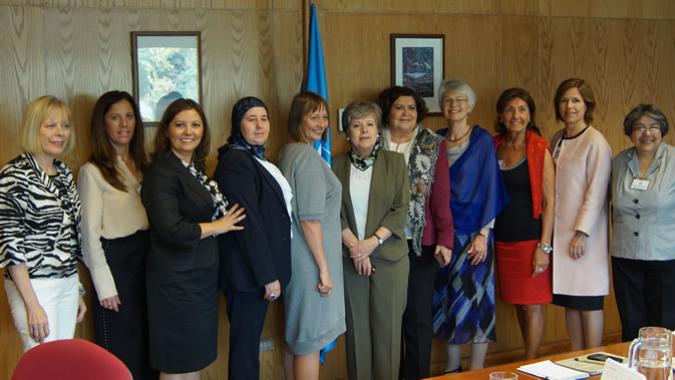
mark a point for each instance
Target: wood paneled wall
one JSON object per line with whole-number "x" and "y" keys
{"x": 78, "y": 49}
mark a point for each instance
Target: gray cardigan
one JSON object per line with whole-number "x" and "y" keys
{"x": 644, "y": 221}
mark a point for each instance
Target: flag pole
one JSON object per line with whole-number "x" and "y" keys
{"x": 306, "y": 4}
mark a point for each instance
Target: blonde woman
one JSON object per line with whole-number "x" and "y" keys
{"x": 39, "y": 228}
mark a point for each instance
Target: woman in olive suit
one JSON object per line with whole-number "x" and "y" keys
{"x": 375, "y": 199}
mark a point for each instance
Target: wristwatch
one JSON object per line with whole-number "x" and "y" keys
{"x": 380, "y": 241}
{"x": 80, "y": 290}
{"x": 545, "y": 247}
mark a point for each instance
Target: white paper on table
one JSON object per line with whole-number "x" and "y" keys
{"x": 549, "y": 370}
{"x": 616, "y": 371}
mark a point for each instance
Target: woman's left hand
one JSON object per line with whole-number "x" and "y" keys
{"x": 363, "y": 248}
{"x": 443, "y": 255}
{"x": 272, "y": 290}
{"x": 578, "y": 245}
{"x": 325, "y": 285}
{"x": 363, "y": 266}
{"x": 477, "y": 252}
{"x": 81, "y": 309}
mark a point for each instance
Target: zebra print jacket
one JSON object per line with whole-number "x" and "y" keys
{"x": 39, "y": 219}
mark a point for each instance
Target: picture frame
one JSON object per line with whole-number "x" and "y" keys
{"x": 418, "y": 62}
{"x": 165, "y": 66}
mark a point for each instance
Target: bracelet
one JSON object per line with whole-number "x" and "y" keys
{"x": 545, "y": 247}
{"x": 380, "y": 241}
{"x": 80, "y": 290}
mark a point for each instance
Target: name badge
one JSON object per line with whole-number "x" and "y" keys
{"x": 639, "y": 184}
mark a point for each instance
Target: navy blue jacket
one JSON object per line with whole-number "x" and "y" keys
{"x": 261, "y": 253}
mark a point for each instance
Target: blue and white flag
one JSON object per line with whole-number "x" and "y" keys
{"x": 315, "y": 81}
{"x": 315, "y": 77}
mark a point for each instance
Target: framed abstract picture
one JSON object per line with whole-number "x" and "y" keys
{"x": 165, "y": 67}
{"x": 417, "y": 61}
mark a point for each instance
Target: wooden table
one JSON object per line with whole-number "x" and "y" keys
{"x": 620, "y": 349}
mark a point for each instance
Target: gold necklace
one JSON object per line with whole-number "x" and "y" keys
{"x": 460, "y": 137}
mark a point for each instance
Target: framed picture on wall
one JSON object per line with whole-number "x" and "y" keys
{"x": 417, "y": 61}
{"x": 165, "y": 67}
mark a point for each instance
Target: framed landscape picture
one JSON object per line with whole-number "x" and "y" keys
{"x": 165, "y": 67}
{"x": 417, "y": 62}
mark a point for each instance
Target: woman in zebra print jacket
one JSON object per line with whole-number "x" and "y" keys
{"x": 39, "y": 228}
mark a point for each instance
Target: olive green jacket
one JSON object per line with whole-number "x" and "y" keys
{"x": 387, "y": 203}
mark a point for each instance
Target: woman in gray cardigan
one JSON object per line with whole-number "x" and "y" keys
{"x": 643, "y": 216}
{"x": 375, "y": 199}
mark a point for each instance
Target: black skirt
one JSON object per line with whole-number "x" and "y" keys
{"x": 125, "y": 333}
{"x": 183, "y": 318}
{"x": 586, "y": 303}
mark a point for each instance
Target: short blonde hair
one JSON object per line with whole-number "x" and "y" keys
{"x": 33, "y": 117}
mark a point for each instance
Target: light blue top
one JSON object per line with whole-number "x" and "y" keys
{"x": 644, "y": 220}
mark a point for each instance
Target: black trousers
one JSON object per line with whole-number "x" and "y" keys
{"x": 418, "y": 316}
{"x": 644, "y": 294}
{"x": 125, "y": 333}
{"x": 246, "y": 311}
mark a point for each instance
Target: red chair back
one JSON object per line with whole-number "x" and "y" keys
{"x": 70, "y": 359}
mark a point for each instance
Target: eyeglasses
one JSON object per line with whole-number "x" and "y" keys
{"x": 654, "y": 128}
{"x": 455, "y": 100}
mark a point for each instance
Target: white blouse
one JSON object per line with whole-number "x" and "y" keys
{"x": 283, "y": 184}
{"x": 109, "y": 213}
{"x": 359, "y": 191}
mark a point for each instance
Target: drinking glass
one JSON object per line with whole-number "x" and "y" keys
{"x": 503, "y": 375}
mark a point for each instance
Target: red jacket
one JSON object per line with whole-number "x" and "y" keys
{"x": 439, "y": 229}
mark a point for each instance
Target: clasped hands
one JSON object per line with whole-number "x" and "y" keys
{"x": 359, "y": 252}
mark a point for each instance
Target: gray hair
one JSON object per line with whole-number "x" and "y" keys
{"x": 360, "y": 109}
{"x": 648, "y": 110}
{"x": 458, "y": 86}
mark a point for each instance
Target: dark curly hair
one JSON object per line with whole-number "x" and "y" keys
{"x": 387, "y": 98}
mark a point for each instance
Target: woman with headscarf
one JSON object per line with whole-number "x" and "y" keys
{"x": 255, "y": 264}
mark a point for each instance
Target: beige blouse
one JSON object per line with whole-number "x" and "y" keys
{"x": 109, "y": 213}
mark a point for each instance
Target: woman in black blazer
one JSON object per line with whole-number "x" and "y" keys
{"x": 186, "y": 211}
{"x": 255, "y": 264}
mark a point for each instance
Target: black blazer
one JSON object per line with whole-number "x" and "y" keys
{"x": 176, "y": 202}
{"x": 261, "y": 253}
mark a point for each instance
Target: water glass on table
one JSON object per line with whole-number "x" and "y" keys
{"x": 503, "y": 375}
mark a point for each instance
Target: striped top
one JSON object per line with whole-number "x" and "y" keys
{"x": 39, "y": 219}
